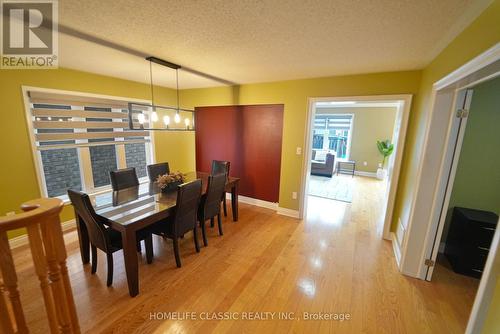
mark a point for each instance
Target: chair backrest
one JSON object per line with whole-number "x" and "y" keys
{"x": 156, "y": 170}
{"x": 215, "y": 189}
{"x": 123, "y": 178}
{"x": 220, "y": 167}
{"x": 83, "y": 209}
{"x": 330, "y": 159}
{"x": 186, "y": 211}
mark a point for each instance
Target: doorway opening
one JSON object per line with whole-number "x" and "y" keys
{"x": 470, "y": 206}
{"x": 342, "y": 159}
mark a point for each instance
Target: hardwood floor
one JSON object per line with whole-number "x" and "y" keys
{"x": 334, "y": 262}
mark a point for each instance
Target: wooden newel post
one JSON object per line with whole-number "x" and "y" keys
{"x": 41, "y": 219}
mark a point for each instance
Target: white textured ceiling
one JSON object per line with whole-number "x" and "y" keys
{"x": 256, "y": 41}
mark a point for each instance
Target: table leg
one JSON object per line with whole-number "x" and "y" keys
{"x": 234, "y": 202}
{"x": 83, "y": 238}
{"x": 129, "y": 242}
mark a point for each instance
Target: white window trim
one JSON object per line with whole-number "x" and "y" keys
{"x": 84, "y": 159}
{"x": 326, "y": 140}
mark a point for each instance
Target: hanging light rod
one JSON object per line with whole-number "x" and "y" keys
{"x": 139, "y": 120}
{"x": 163, "y": 62}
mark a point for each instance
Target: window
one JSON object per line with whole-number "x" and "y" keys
{"x": 317, "y": 141}
{"x": 332, "y": 132}
{"x": 79, "y": 139}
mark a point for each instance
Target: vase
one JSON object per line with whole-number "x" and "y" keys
{"x": 171, "y": 186}
{"x": 381, "y": 173}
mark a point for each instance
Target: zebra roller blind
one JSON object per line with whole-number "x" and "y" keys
{"x": 68, "y": 121}
{"x": 78, "y": 140}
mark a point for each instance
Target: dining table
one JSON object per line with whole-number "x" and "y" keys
{"x": 135, "y": 208}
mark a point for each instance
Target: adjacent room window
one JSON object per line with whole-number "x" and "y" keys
{"x": 332, "y": 132}
{"x": 79, "y": 139}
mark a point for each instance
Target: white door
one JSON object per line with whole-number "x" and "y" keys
{"x": 447, "y": 175}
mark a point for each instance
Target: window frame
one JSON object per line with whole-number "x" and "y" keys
{"x": 85, "y": 163}
{"x": 326, "y": 135}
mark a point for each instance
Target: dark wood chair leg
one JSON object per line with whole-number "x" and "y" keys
{"x": 195, "y": 237}
{"x": 224, "y": 204}
{"x": 219, "y": 222}
{"x": 139, "y": 249}
{"x": 94, "y": 259}
{"x": 176, "y": 253}
{"x": 212, "y": 222}
{"x": 204, "y": 233}
{"x": 110, "y": 269}
{"x": 149, "y": 249}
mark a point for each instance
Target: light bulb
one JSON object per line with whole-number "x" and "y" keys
{"x": 154, "y": 116}
{"x": 177, "y": 118}
{"x": 166, "y": 120}
{"x": 141, "y": 118}
{"x": 186, "y": 121}
{"x": 49, "y": 118}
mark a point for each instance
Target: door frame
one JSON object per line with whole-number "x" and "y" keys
{"x": 404, "y": 101}
{"x": 487, "y": 286}
{"x": 456, "y": 133}
{"x": 428, "y": 192}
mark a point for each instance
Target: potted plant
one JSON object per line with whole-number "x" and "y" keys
{"x": 170, "y": 181}
{"x": 385, "y": 148}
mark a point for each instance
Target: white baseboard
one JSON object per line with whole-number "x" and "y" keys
{"x": 288, "y": 212}
{"x": 256, "y": 202}
{"x": 267, "y": 205}
{"x": 396, "y": 248}
{"x": 367, "y": 174}
{"x": 400, "y": 233}
{"x": 23, "y": 239}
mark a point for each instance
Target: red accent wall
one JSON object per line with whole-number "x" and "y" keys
{"x": 247, "y": 136}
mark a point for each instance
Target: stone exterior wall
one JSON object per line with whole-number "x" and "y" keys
{"x": 62, "y": 171}
{"x": 135, "y": 156}
{"x": 103, "y": 160}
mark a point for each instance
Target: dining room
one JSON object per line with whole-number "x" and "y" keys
{"x": 156, "y": 158}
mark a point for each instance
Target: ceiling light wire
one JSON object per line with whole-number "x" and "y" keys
{"x": 151, "y": 82}
{"x": 177, "y": 84}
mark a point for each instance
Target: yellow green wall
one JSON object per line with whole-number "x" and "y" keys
{"x": 294, "y": 95}
{"x": 18, "y": 182}
{"x": 481, "y": 35}
{"x": 477, "y": 179}
{"x": 369, "y": 125}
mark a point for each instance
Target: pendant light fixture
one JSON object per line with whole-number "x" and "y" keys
{"x": 144, "y": 116}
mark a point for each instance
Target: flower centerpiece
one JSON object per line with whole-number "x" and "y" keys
{"x": 170, "y": 181}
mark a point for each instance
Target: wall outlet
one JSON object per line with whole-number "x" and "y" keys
{"x": 298, "y": 151}
{"x": 365, "y": 163}
{"x": 10, "y": 213}
{"x": 294, "y": 195}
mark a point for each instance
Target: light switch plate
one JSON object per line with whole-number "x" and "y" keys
{"x": 298, "y": 151}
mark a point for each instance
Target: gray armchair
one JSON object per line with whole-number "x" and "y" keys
{"x": 324, "y": 168}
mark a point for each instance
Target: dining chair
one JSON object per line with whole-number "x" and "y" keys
{"x": 221, "y": 167}
{"x": 210, "y": 203}
{"x": 184, "y": 218}
{"x": 105, "y": 238}
{"x": 123, "y": 178}
{"x": 158, "y": 169}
